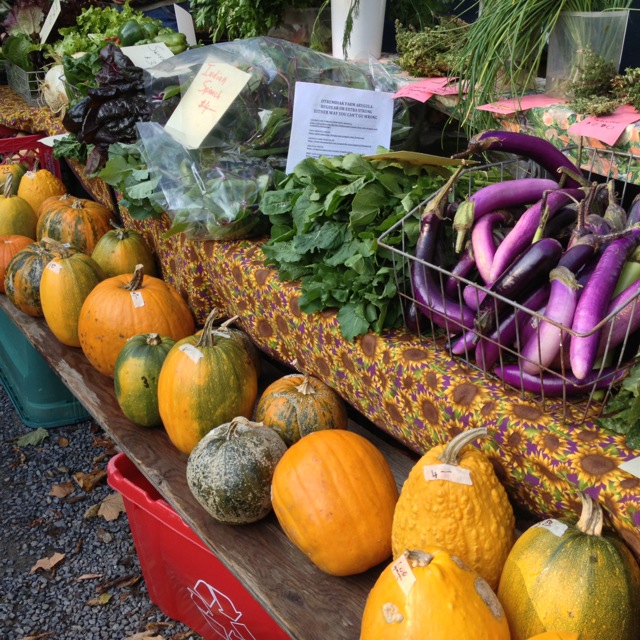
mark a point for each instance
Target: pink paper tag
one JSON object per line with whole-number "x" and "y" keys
{"x": 607, "y": 129}
{"x": 423, "y": 89}
{"x": 520, "y": 104}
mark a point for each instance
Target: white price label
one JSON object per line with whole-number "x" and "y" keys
{"x": 554, "y": 526}
{"x": 138, "y": 300}
{"x": 448, "y": 472}
{"x": 192, "y": 352}
{"x": 403, "y": 573}
{"x": 56, "y": 267}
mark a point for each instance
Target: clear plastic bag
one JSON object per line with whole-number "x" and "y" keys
{"x": 212, "y": 193}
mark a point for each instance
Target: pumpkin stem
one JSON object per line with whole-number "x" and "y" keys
{"x": 136, "y": 279}
{"x": 77, "y": 204}
{"x": 305, "y": 387}
{"x": 229, "y": 321}
{"x": 206, "y": 337}
{"x": 64, "y": 250}
{"x": 240, "y": 420}
{"x": 591, "y": 518}
{"x": 154, "y": 339}
{"x": 418, "y": 558}
{"x": 451, "y": 453}
{"x": 7, "y": 186}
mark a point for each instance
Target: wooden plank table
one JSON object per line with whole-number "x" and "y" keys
{"x": 304, "y": 601}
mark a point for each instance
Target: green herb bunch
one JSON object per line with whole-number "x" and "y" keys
{"x": 432, "y": 52}
{"x": 592, "y": 89}
{"x": 326, "y": 218}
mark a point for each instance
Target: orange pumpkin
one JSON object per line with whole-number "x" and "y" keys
{"x": 556, "y": 635}
{"x": 334, "y": 496}
{"x": 77, "y": 221}
{"x": 9, "y": 246}
{"x": 39, "y": 184}
{"x": 127, "y": 305}
{"x": 298, "y": 404}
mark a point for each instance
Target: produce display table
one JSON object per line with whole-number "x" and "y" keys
{"x": 407, "y": 385}
{"x": 306, "y": 603}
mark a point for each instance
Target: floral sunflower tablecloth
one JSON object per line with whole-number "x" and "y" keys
{"x": 408, "y": 386}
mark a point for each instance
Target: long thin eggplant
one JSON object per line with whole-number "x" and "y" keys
{"x": 462, "y": 269}
{"x": 552, "y": 385}
{"x": 499, "y": 195}
{"x": 483, "y": 242}
{"x": 633, "y": 215}
{"x": 508, "y": 332}
{"x": 430, "y": 299}
{"x": 534, "y": 148}
{"x": 543, "y": 347}
{"x": 527, "y": 272}
{"x": 594, "y": 301}
{"x": 523, "y": 232}
{"x": 625, "y": 322}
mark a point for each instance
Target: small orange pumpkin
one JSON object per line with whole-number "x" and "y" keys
{"x": 298, "y": 404}
{"x": 127, "y": 305}
{"x": 334, "y": 494}
{"x": 557, "y": 635}
{"x": 39, "y": 184}
{"x": 77, "y": 221}
{"x": 9, "y": 246}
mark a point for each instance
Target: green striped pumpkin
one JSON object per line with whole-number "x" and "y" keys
{"x": 136, "y": 375}
{"x": 77, "y": 221}
{"x": 23, "y": 275}
{"x": 206, "y": 381}
{"x": 572, "y": 577}
{"x": 119, "y": 251}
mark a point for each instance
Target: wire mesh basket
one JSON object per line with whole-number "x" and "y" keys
{"x": 497, "y": 349}
{"x": 25, "y": 83}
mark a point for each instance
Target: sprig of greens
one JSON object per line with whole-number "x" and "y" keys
{"x": 326, "y": 218}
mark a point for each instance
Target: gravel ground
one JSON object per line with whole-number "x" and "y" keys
{"x": 96, "y": 591}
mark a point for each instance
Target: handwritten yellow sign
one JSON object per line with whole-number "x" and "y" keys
{"x": 211, "y": 93}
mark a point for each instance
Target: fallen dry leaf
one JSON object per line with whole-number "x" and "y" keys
{"x": 92, "y": 511}
{"x": 111, "y": 507}
{"x": 121, "y": 581}
{"x": 38, "y": 636}
{"x": 62, "y": 490}
{"x": 63, "y": 442}
{"x": 89, "y": 576}
{"x": 144, "y": 635}
{"x": 89, "y": 481}
{"x": 47, "y": 563}
{"x": 100, "y": 601}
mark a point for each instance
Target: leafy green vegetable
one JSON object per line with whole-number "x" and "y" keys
{"x": 621, "y": 414}
{"x": 326, "y": 217}
{"x": 70, "y": 147}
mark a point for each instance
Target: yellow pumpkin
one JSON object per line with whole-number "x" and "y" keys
{"x": 453, "y": 500}
{"x": 334, "y": 495}
{"x": 574, "y": 577}
{"x": 431, "y": 595}
{"x": 17, "y": 217}
{"x": 38, "y": 185}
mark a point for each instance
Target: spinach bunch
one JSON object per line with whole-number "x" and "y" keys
{"x": 326, "y": 219}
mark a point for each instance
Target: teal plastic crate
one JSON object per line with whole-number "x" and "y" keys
{"x": 41, "y": 399}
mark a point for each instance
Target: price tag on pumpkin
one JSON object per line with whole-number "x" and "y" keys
{"x": 138, "y": 300}
{"x": 403, "y": 573}
{"x": 448, "y": 472}
{"x": 213, "y": 90}
{"x": 56, "y": 267}
{"x": 49, "y": 21}
{"x": 554, "y": 526}
{"x": 191, "y": 352}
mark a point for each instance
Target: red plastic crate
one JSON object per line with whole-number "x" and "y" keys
{"x": 28, "y": 149}
{"x": 184, "y": 578}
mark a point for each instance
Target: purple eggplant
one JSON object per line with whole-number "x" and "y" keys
{"x": 525, "y": 229}
{"x": 473, "y": 296}
{"x": 527, "y": 272}
{"x": 500, "y": 195}
{"x": 507, "y": 334}
{"x": 614, "y": 214}
{"x": 561, "y": 225}
{"x": 483, "y": 242}
{"x": 462, "y": 269}
{"x": 534, "y": 148}
{"x": 543, "y": 347}
{"x": 633, "y": 215}
{"x": 554, "y": 385}
{"x": 624, "y": 322}
{"x": 428, "y": 289}
{"x": 594, "y": 301}
{"x": 464, "y": 344}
